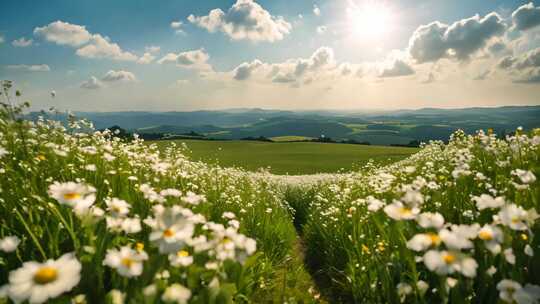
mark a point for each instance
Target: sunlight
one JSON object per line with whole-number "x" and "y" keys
{"x": 372, "y": 20}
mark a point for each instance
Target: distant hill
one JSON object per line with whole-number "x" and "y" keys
{"x": 386, "y": 128}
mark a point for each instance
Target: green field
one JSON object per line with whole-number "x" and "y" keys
{"x": 290, "y": 157}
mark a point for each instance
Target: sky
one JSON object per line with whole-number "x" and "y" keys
{"x": 179, "y": 55}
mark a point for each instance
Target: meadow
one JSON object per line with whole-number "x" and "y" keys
{"x": 87, "y": 217}
{"x": 288, "y": 157}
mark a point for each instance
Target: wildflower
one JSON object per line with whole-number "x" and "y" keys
{"x": 116, "y": 296}
{"x": 459, "y": 237}
{"x": 90, "y": 167}
{"x": 492, "y": 237}
{"x": 512, "y": 292}
{"x": 403, "y": 289}
{"x": 78, "y": 196}
{"x": 170, "y": 192}
{"x": 117, "y": 207}
{"x": 525, "y": 176}
{"x": 528, "y": 250}
{"x": 171, "y": 228}
{"x": 516, "y": 217}
{"x": 193, "y": 199}
{"x": 176, "y": 293}
{"x": 374, "y": 204}
{"x": 448, "y": 262}
{"x": 430, "y": 220}
{"x": 128, "y": 262}
{"x": 9, "y": 243}
{"x": 509, "y": 256}
{"x": 398, "y": 211}
{"x": 131, "y": 225}
{"x": 181, "y": 258}
{"x": 486, "y": 201}
{"x": 422, "y": 287}
{"x": 423, "y": 241}
{"x": 38, "y": 282}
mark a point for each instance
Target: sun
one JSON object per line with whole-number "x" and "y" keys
{"x": 371, "y": 20}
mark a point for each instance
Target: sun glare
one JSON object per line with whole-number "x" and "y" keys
{"x": 371, "y": 20}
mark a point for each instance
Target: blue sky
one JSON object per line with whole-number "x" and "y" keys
{"x": 354, "y": 54}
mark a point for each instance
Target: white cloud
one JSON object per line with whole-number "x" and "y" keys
{"x": 195, "y": 59}
{"x": 321, "y": 29}
{"x": 101, "y": 47}
{"x": 316, "y": 10}
{"x": 22, "y": 42}
{"x": 146, "y": 58}
{"x": 397, "y": 69}
{"x": 30, "y": 68}
{"x": 524, "y": 68}
{"x": 247, "y": 20}
{"x": 119, "y": 76}
{"x": 91, "y": 45}
{"x": 92, "y": 84}
{"x": 110, "y": 77}
{"x": 460, "y": 40}
{"x": 152, "y": 49}
{"x": 244, "y": 70}
{"x": 64, "y": 33}
{"x": 526, "y": 17}
{"x": 177, "y": 27}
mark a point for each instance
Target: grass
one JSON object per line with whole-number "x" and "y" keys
{"x": 291, "y": 157}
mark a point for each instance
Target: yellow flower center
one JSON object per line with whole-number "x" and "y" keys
{"x": 45, "y": 275}
{"x": 365, "y": 249}
{"x": 524, "y": 237}
{"x": 182, "y": 253}
{"x": 515, "y": 220}
{"x": 168, "y": 233}
{"x": 127, "y": 262}
{"x": 72, "y": 196}
{"x": 139, "y": 246}
{"x": 449, "y": 258}
{"x": 435, "y": 238}
{"x": 226, "y": 240}
{"x": 485, "y": 235}
{"x": 404, "y": 211}
{"x": 41, "y": 157}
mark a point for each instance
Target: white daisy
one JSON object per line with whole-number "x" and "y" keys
{"x": 181, "y": 258}
{"x": 171, "y": 228}
{"x": 448, "y": 262}
{"x": 78, "y": 196}
{"x": 117, "y": 207}
{"x": 176, "y": 293}
{"x": 512, "y": 292}
{"x": 398, "y": 211}
{"x": 492, "y": 237}
{"x": 9, "y": 243}
{"x": 486, "y": 201}
{"x": 430, "y": 220}
{"x": 127, "y": 261}
{"x": 38, "y": 282}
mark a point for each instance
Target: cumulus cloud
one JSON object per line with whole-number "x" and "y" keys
{"x": 531, "y": 76}
{"x": 482, "y": 76}
{"x": 321, "y": 29}
{"x": 101, "y": 47}
{"x": 110, "y": 77}
{"x": 196, "y": 59}
{"x": 30, "y": 68}
{"x": 526, "y": 17}
{"x": 64, "y": 33}
{"x": 119, "y": 76}
{"x": 316, "y": 10}
{"x": 460, "y": 40}
{"x": 247, "y": 20}
{"x": 244, "y": 70}
{"x": 22, "y": 42}
{"x": 397, "y": 69}
{"x": 146, "y": 58}
{"x": 90, "y": 45}
{"x": 92, "y": 84}
{"x": 530, "y": 59}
